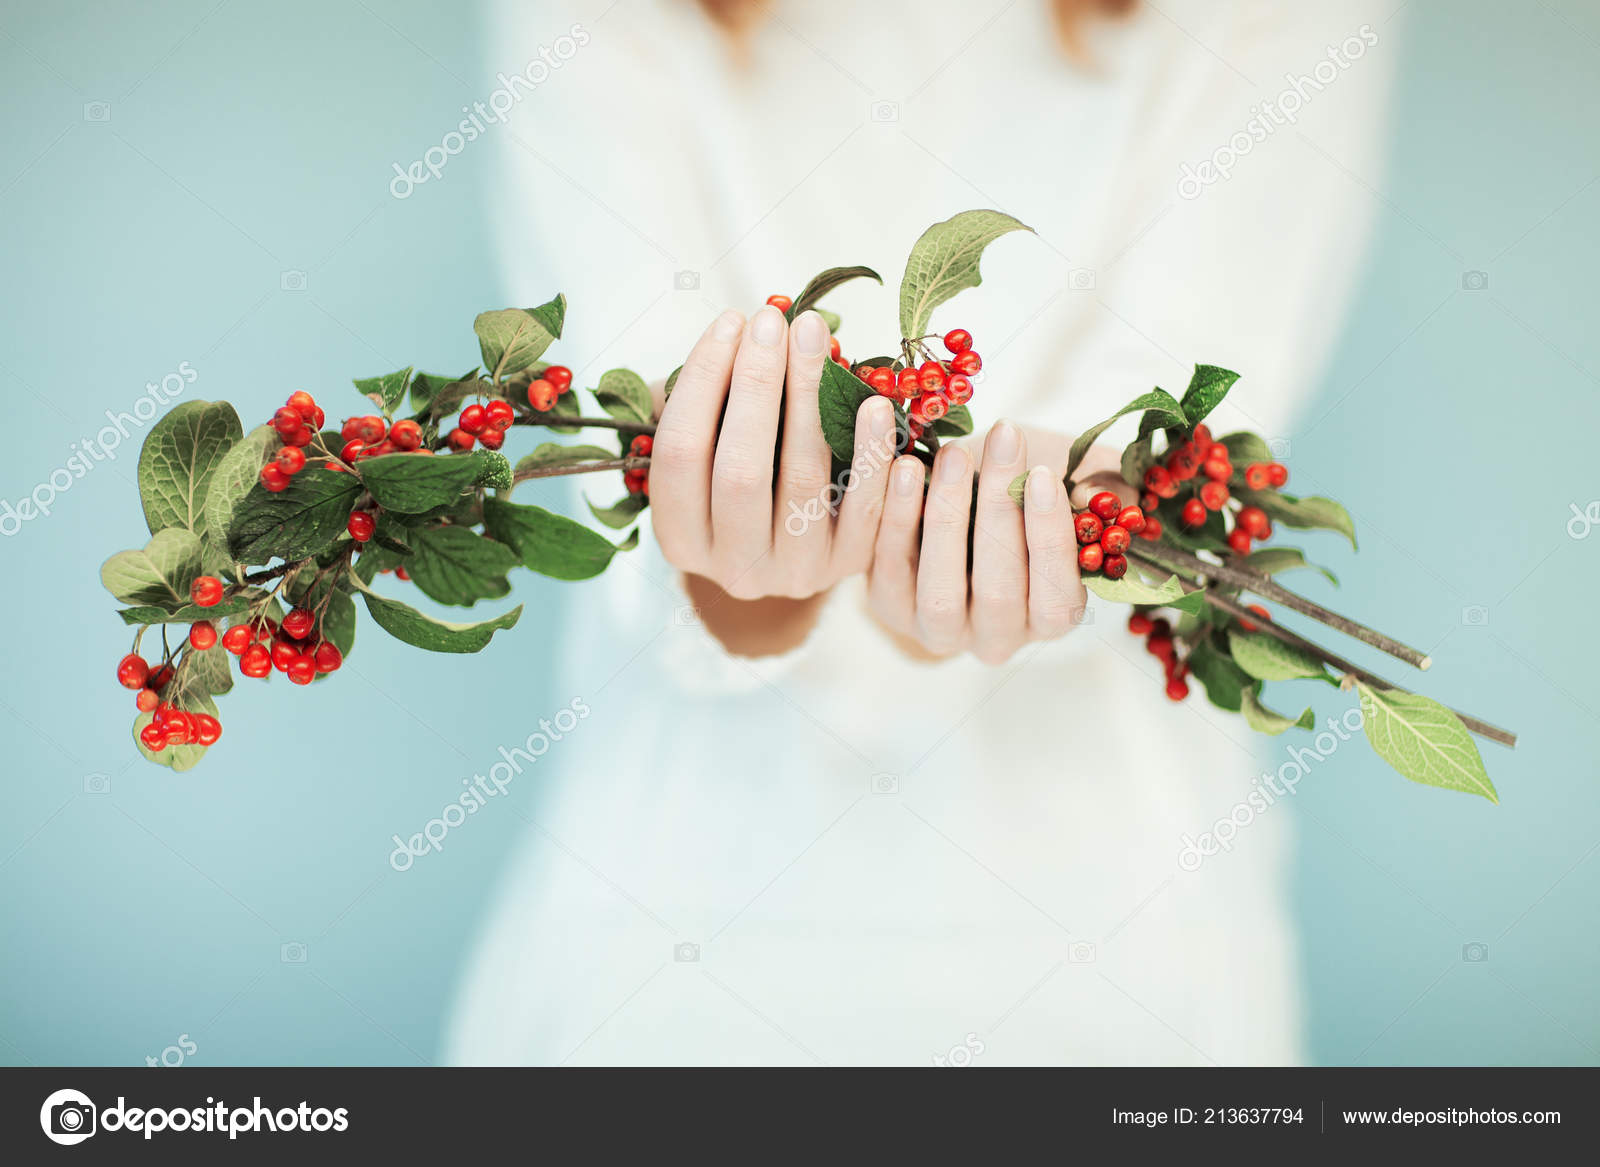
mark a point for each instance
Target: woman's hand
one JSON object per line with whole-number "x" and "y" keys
{"x": 717, "y": 512}
{"x": 1024, "y": 583}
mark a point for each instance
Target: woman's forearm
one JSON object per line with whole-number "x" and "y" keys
{"x": 753, "y": 628}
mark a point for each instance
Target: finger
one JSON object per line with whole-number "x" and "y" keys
{"x": 803, "y": 517}
{"x": 942, "y": 566}
{"x": 999, "y": 550}
{"x": 893, "y": 586}
{"x": 862, "y": 510}
{"x": 680, "y": 458}
{"x": 741, "y": 471}
{"x": 1056, "y": 596}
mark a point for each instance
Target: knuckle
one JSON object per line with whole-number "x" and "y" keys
{"x": 739, "y": 475}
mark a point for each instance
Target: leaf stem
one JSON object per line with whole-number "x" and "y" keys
{"x": 599, "y": 423}
{"x": 561, "y": 471}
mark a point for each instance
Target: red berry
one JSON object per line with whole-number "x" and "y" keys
{"x": 968, "y": 362}
{"x": 370, "y": 429}
{"x": 1148, "y": 502}
{"x": 932, "y": 406}
{"x": 299, "y": 622}
{"x": 1115, "y": 540}
{"x": 273, "y": 478}
{"x": 542, "y": 394}
{"x": 1139, "y": 624}
{"x": 317, "y": 418}
{"x": 401, "y": 573}
{"x": 153, "y": 738}
{"x": 287, "y": 420}
{"x": 132, "y": 671}
{"x": 237, "y": 638}
{"x": 560, "y": 376}
{"x": 634, "y": 480}
{"x": 473, "y": 418}
{"x": 327, "y": 657}
{"x": 255, "y": 661}
{"x": 1152, "y": 528}
{"x": 284, "y": 653}
{"x": 833, "y": 347}
{"x": 351, "y": 428}
{"x": 1177, "y": 690}
{"x": 931, "y": 376}
{"x": 354, "y": 450}
{"x": 302, "y": 403}
{"x": 202, "y": 635}
{"x": 781, "y": 303}
{"x": 1088, "y": 527}
{"x": 1116, "y": 566}
{"x": 958, "y": 340}
{"x": 1131, "y": 518}
{"x": 300, "y": 438}
{"x": 1214, "y": 495}
{"x": 302, "y": 669}
{"x": 1216, "y": 471}
{"x": 1184, "y": 463}
{"x": 1254, "y": 522}
{"x": 361, "y": 526}
{"x": 207, "y": 729}
{"x": 909, "y": 384}
{"x": 406, "y": 435}
{"x": 1194, "y": 513}
{"x": 1250, "y": 625}
{"x": 460, "y": 440}
{"x": 499, "y": 413}
{"x": 1160, "y": 643}
{"x": 1239, "y": 540}
{"x": 147, "y": 700}
{"x": 883, "y": 380}
{"x": 1158, "y": 481}
{"x": 492, "y": 438}
{"x": 291, "y": 459}
{"x": 1277, "y": 474}
{"x": 959, "y": 389}
{"x": 266, "y": 630}
{"x": 1091, "y": 556}
{"x": 1257, "y": 476}
{"x": 641, "y": 446}
{"x": 1202, "y": 440}
{"x": 1106, "y": 505}
{"x": 206, "y": 591}
{"x": 159, "y": 677}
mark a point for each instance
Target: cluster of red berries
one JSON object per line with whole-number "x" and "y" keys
{"x": 545, "y": 389}
{"x": 1161, "y": 644}
{"x": 297, "y": 422}
{"x": 1105, "y": 531}
{"x": 369, "y": 436}
{"x": 169, "y": 726}
{"x": 1203, "y": 468}
{"x": 638, "y": 481}
{"x": 177, "y": 727}
{"x": 484, "y": 423}
{"x": 933, "y": 388}
{"x": 294, "y": 647}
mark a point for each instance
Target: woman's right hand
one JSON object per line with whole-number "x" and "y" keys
{"x": 716, "y": 510}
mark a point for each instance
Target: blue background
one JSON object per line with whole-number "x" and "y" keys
{"x": 1456, "y": 422}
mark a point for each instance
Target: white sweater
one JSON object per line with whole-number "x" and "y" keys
{"x": 869, "y": 859}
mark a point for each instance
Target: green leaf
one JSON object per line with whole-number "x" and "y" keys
{"x": 1269, "y": 659}
{"x": 412, "y": 483}
{"x": 235, "y": 475}
{"x": 511, "y": 339}
{"x": 296, "y": 522}
{"x": 209, "y": 669}
{"x": 944, "y": 261}
{"x": 955, "y": 424}
{"x": 1207, "y": 388}
{"x": 1225, "y": 681}
{"x": 839, "y": 396}
{"x": 831, "y": 319}
{"x": 1129, "y": 590}
{"x": 620, "y": 513}
{"x": 159, "y": 574}
{"x": 824, "y": 282}
{"x": 548, "y": 454}
{"x": 187, "y": 614}
{"x": 566, "y": 406}
{"x": 442, "y": 399}
{"x": 1157, "y": 401}
{"x": 455, "y": 565}
{"x": 388, "y": 391}
{"x": 494, "y": 470}
{"x": 426, "y": 386}
{"x": 672, "y": 381}
{"x": 1263, "y": 720}
{"x": 623, "y": 394}
{"x": 1306, "y": 514}
{"x": 1018, "y": 488}
{"x": 179, "y": 457}
{"x": 404, "y": 622}
{"x": 1192, "y": 603}
{"x": 1423, "y": 740}
{"x": 1245, "y": 448}
{"x": 546, "y": 542}
{"x": 1137, "y": 457}
{"x": 1271, "y": 560}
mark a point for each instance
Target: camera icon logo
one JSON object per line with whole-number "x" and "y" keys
{"x": 1081, "y": 279}
{"x": 1279, "y": 448}
{"x": 885, "y": 111}
{"x": 1475, "y": 952}
{"x": 97, "y": 111}
{"x": 1081, "y": 952}
{"x": 884, "y": 784}
{"x": 685, "y": 615}
{"x": 1475, "y": 616}
{"x": 97, "y": 784}
{"x": 293, "y": 952}
{"x": 686, "y": 953}
{"x": 292, "y": 281}
{"x": 1474, "y": 281}
{"x": 686, "y": 281}
{"x": 68, "y": 1117}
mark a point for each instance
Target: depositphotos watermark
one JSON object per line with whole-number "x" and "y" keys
{"x": 480, "y": 788}
{"x": 1281, "y": 110}
{"x": 68, "y": 1117}
{"x": 1268, "y": 788}
{"x": 88, "y": 453}
{"x": 491, "y": 111}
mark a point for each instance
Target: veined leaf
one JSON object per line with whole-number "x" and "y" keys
{"x": 1269, "y": 659}
{"x": 839, "y": 396}
{"x": 1225, "y": 682}
{"x": 546, "y": 542}
{"x": 623, "y": 394}
{"x": 1157, "y": 401}
{"x": 1423, "y": 740}
{"x": 555, "y": 454}
{"x": 187, "y": 614}
{"x": 404, "y": 622}
{"x": 1129, "y": 590}
{"x": 620, "y": 513}
{"x": 456, "y": 565}
{"x": 955, "y": 424}
{"x": 296, "y": 522}
{"x": 511, "y": 339}
{"x": 1207, "y": 388}
{"x": 159, "y": 574}
{"x": 412, "y": 483}
{"x": 944, "y": 261}
{"x": 179, "y": 456}
{"x": 1306, "y": 514}
{"x": 388, "y": 391}
{"x": 235, "y": 475}
{"x": 1263, "y": 720}
{"x": 1271, "y": 560}
{"x": 1245, "y": 448}
{"x": 824, "y": 282}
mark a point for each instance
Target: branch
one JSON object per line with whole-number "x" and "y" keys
{"x": 563, "y": 469}
{"x": 599, "y": 423}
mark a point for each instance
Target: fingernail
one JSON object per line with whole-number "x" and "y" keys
{"x": 767, "y": 327}
{"x": 952, "y": 465}
{"x": 810, "y": 334}
{"x": 880, "y": 418}
{"x": 1005, "y": 443}
{"x": 1041, "y": 490}
{"x": 728, "y": 326}
{"x": 907, "y": 476}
